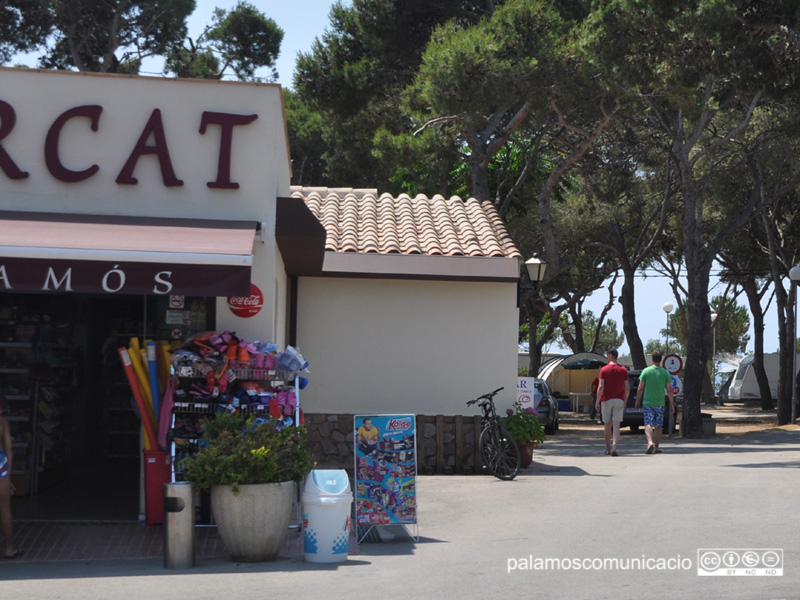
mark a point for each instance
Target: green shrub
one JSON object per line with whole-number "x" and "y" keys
{"x": 243, "y": 450}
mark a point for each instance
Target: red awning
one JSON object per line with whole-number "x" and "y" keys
{"x": 63, "y": 253}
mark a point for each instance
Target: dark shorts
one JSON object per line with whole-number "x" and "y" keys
{"x": 3, "y": 465}
{"x": 654, "y": 416}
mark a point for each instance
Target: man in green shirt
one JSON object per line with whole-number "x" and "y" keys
{"x": 654, "y": 382}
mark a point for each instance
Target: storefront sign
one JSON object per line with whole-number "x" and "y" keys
{"x": 385, "y": 469}
{"x": 54, "y": 147}
{"x": 90, "y": 144}
{"x": 525, "y": 391}
{"x": 97, "y": 277}
{"x": 247, "y": 306}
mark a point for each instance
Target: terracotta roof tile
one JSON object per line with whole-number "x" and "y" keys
{"x": 361, "y": 220}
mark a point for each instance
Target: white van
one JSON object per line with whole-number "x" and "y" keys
{"x": 744, "y": 385}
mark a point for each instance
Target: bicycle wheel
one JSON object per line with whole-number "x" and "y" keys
{"x": 500, "y": 453}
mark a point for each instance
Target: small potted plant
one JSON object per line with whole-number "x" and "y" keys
{"x": 251, "y": 465}
{"x": 526, "y": 431}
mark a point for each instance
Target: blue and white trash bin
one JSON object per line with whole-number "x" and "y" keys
{"x": 327, "y": 501}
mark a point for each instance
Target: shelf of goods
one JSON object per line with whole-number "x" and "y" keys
{"x": 15, "y": 357}
{"x": 264, "y": 382}
{"x": 34, "y": 373}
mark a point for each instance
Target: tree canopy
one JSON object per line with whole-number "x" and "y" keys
{"x": 115, "y": 36}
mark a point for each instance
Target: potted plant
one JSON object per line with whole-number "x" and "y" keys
{"x": 251, "y": 465}
{"x": 526, "y": 431}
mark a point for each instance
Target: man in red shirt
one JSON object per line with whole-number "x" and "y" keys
{"x": 612, "y": 394}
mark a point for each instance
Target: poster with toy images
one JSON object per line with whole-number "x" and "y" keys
{"x": 385, "y": 469}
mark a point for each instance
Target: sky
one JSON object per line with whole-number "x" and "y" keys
{"x": 305, "y": 20}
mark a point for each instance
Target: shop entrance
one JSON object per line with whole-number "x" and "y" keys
{"x": 77, "y": 435}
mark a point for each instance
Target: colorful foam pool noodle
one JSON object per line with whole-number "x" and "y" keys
{"x": 164, "y": 364}
{"x": 134, "y": 346}
{"x": 153, "y": 373}
{"x": 135, "y": 353}
{"x": 143, "y": 358}
{"x": 150, "y": 440}
{"x": 135, "y": 357}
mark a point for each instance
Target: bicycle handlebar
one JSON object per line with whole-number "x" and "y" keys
{"x": 488, "y": 396}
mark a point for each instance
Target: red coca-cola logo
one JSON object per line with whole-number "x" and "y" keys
{"x": 247, "y": 306}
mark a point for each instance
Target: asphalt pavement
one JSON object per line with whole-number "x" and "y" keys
{"x": 576, "y": 524}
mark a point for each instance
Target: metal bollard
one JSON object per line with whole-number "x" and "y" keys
{"x": 179, "y": 530}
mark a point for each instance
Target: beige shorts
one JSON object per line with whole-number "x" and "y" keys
{"x": 612, "y": 410}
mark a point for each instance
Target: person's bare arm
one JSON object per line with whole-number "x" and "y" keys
{"x": 600, "y": 387}
{"x": 7, "y": 442}
{"x": 639, "y": 393}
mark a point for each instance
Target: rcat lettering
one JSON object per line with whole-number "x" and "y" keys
{"x": 152, "y": 141}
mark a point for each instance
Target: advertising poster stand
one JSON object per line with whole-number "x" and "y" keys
{"x": 385, "y": 473}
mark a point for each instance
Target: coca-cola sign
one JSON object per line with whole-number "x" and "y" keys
{"x": 247, "y": 306}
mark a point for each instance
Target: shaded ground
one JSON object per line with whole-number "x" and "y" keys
{"x": 731, "y": 419}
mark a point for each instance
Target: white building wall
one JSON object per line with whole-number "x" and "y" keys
{"x": 395, "y": 346}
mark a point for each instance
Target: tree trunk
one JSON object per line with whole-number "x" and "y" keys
{"x": 761, "y": 376}
{"x": 698, "y": 268}
{"x": 756, "y": 311}
{"x": 788, "y": 345}
{"x": 577, "y": 321}
{"x": 784, "y": 302}
{"x": 698, "y": 348}
{"x": 479, "y": 174}
{"x": 626, "y": 299}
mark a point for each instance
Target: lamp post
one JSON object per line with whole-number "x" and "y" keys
{"x": 667, "y": 309}
{"x": 794, "y": 275}
{"x": 536, "y": 268}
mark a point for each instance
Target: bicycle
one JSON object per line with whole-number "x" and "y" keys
{"x": 498, "y": 449}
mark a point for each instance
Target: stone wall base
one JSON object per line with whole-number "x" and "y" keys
{"x": 446, "y": 445}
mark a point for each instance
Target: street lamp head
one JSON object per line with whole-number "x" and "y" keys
{"x": 536, "y": 268}
{"x": 668, "y": 307}
{"x": 794, "y": 273}
{"x": 713, "y": 317}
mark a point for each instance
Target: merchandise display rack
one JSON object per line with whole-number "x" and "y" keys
{"x": 192, "y": 410}
{"x": 227, "y": 385}
{"x": 33, "y": 369}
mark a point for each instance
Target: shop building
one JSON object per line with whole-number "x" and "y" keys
{"x": 158, "y": 208}
{"x": 413, "y": 312}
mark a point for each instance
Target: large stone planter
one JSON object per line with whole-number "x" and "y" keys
{"x": 253, "y": 524}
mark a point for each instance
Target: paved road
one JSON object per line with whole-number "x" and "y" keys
{"x": 574, "y": 504}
